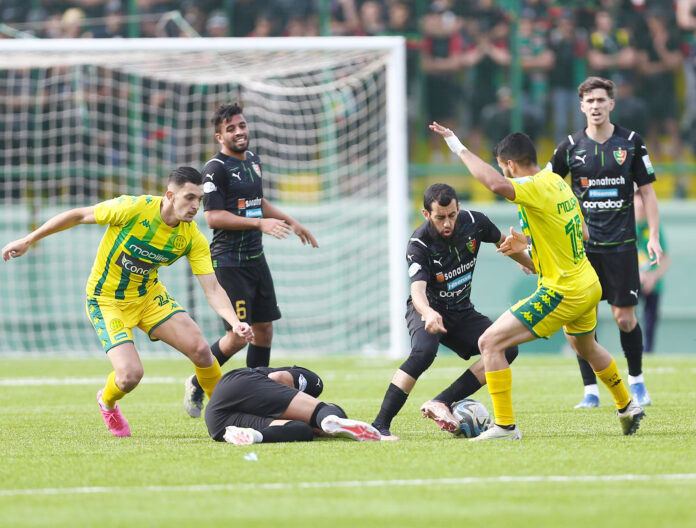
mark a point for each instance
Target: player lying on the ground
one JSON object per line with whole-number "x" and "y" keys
{"x": 251, "y": 406}
{"x": 123, "y": 291}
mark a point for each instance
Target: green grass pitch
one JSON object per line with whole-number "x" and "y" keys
{"x": 573, "y": 468}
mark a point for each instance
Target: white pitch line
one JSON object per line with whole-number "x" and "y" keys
{"x": 205, "y": 488}
{"x": 32, "y": 382}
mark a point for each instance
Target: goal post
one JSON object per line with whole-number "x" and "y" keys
{"x": 85, "y": 120}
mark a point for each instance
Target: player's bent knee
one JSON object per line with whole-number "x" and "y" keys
{"x": 418, "y": 362}
{"x": 127, "y": 379}
{"x": 200, "y": 354}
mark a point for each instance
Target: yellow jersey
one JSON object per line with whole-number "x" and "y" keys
{"x": 551, "y": 217}
{"x": 136, "y": 243}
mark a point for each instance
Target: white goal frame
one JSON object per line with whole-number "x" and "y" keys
{"x": 396, "y": 111}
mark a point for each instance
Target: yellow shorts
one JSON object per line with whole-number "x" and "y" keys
{"x": 114, "y": 320}
{"x": 546, "y": 311}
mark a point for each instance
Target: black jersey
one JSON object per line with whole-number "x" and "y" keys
{"x": 448, "y": 266}
{"x": 234, "y": 185}
{"x": 602, "y": 178}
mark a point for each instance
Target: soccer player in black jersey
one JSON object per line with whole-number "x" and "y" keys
{"x": 605, "y": 161}
{"x": 238, "y": 213}
{"x": 441, "y": 257}
{"x": 250, "y": 406}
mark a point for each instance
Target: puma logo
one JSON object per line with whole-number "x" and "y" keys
{"x": 633, "y": 292}
{"x": 581, "y": 158}
{"x": 236, "y": 175}
{"x": 438, "y": 262}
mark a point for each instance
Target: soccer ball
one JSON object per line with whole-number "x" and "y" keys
{"x": 473, "y": 417}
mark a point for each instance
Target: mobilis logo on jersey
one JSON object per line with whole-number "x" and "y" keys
{"x": 250, "y": 208}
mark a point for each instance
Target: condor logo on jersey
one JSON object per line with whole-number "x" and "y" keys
{"x": 134, "y": 265}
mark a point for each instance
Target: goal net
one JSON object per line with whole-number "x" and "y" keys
{"x": 84, "y": 121}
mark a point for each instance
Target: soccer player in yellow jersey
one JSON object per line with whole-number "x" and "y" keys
{"x": 568, "y": 289}
{"x": 123, "y": 291}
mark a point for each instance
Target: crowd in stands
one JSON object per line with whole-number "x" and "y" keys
{"x": 459, "y": 52}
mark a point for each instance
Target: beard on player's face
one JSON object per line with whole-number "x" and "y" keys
{"x": 237, "y": 146}
{"x": 440, "y": 230}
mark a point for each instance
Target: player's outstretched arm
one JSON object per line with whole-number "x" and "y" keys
{"x": 515, "y": 246}
{"x": 272, "y": 212}
{"x": 220, "y": 302}
{"x": 432, "y": 319}
{"x": 482, "y": 171}
{"x": 60, "y": 222}
{"x": 221, "y": 219}
{"x": 652, "y": 215}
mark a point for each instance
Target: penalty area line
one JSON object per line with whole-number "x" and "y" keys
{"x": 205, "y": 488}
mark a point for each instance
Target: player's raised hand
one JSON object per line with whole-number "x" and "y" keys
{"x": 274, "y": 227}
{"x": 433, "y": 322}
{"x": 439, "y": 129}
{"x": 244, "y": 331}
{"x": 15, "y": 249}
{"x": 305, "y": 235}
{"x": 514, "y": 243}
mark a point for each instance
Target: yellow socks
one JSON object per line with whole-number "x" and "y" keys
{"x": 500, "y": 386}
{"x": 612, "y": 379}
{"x": 111, "y": 392}
{"x": 208, "y": 377}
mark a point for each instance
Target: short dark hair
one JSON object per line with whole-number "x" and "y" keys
{"x": 440, "y": 193}
{"x": 516, "y": 147}
{"x": 225, "y": 113}
{"x": 592, "y": 83}
{"x": 182, "y": 175}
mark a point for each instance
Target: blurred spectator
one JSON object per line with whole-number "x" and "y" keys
{"x": 631, "y": 111}
{"x": 490, "y": 32}
{"x": 658, "y": 61}
{"x": 536, "y": 59}
{"x": 344, "y": 18}
{"x": 442, "y": 48}
{"x": 195, "y": 17}
{"x": 217, "y": 25}
{"x": 611, "y": 50}
{"x": 650, "y": 275}
{"x": 265, "y": 26}
{"x": 371, "y": 18}
{"x": 112, "y": 26}
{"x": 686, "y": 18}
{"x": 246, "y": 15}
{"x": 400, "y": 22}
{"x": 568, "y": 52}
{"x": 72, "y": 22}
{"x": 496, "y": 118}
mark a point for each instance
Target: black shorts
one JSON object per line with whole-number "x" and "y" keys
{"x": 619, "y": 276}
{"x": 463, "y": 330}
{"x": 246, "y": 398}
{"x": 251, "y": 292}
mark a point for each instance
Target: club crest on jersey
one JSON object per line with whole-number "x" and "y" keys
{"x": 257, "y": 169}
{"x": 471, "y": 245}
{"x": 440, "y": 277}
{"x": 620, "y": 156}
